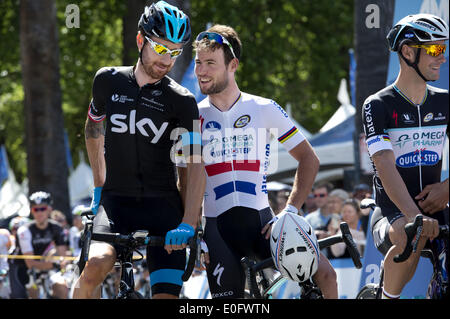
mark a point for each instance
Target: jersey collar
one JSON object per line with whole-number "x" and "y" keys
{"x": 407, "y": 99}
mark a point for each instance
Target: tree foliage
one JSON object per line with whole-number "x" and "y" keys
{"x": 293, "y": 52}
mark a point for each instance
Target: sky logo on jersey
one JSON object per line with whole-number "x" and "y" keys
{"x": 213, "y": 126}
{"x": 417, "y": 158}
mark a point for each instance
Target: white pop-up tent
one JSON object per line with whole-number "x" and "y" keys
{"x": 333, "y": 145}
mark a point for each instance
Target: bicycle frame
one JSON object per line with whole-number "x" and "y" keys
{"x": 438, "y": 286}
{"x": 130, "y": 243}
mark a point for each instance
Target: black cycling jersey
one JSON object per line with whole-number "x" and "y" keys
{"x": 140, "y": 131}
{"x": 415, "y": 133}
{"x": 30, "y": 238}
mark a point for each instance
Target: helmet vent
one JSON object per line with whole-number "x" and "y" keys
{"x": 440, "y": 36}
{"x": 170, "y": 27}
{"x": 181, "y": 32}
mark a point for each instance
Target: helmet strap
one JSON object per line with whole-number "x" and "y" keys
{"x": 415, "y": 64}
{"x": 142, "y": 49}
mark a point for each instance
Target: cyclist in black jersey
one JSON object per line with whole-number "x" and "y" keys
{"x": 405, "y": 125}
{"x": 132, "y": 159}
{"x": 37, "y": 237}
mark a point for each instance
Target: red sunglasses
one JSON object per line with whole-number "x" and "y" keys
{"x": 39, "y": 209}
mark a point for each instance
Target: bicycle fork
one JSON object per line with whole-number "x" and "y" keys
{"x": 126, "y": 280}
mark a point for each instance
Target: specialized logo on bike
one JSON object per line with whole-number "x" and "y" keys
{"x": 123, "y": 124}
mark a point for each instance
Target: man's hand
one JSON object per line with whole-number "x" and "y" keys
{"x": 177, "y": 239}
{"x": 267, "y": 229}
{"x": 433, "y": 197}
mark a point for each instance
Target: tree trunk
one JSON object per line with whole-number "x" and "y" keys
{"x": 44, "y": 123}
{"x": 134, "y": 9}
{"x": 371, "y": 55}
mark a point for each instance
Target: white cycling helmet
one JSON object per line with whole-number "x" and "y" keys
{"x": 294, "y": 247}
{"x": 417, "y": 29}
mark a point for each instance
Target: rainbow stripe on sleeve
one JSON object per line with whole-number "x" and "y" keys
{"x": 283, "y": 138}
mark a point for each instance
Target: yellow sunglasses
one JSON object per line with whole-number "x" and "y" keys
{"x": 431, "y": 49}
{"x": 162, "y": 50}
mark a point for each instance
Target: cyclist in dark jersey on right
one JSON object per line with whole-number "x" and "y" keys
{"x": 405, "y": 126}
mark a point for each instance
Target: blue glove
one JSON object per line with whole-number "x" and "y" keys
{"x": 180, "y": 235}
{"x": 96, "y": 199}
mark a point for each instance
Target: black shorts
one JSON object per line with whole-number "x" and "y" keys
{"x": 232, "y": 235}
{"x": 381, "y": 222}
{"x": 157, "y": 215}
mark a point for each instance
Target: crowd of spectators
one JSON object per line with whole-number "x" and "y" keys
{"x": 326, "y": 207}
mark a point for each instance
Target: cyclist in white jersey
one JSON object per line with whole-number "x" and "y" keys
{"x": 236, "y": 129}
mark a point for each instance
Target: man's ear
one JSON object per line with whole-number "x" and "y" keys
{"x": 234, "y": 65}
{"x": 409, "y": 53}
{"x": 139, "y": 40}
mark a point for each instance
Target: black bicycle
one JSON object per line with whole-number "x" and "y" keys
{"x": 130, "y": 243}
{"x": 438, "y": 287}
{"x": 260, "y": 286}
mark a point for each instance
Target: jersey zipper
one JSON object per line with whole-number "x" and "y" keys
{"x": 420, "y": 147}
{"x": 233, "y": 172}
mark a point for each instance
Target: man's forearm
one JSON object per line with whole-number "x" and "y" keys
{"x": 195, "y": 189}
{"x": 95, "y": 141}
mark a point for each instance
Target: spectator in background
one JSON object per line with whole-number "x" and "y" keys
{"x": 5, "y": 245}
{"x": 282, "y": 197}
{"x": 319, "y": 218}
{"x": 310, "y": 205}
{"x": 336, "y": 199}
{"x": 360, "y": 192}
{"x": 59, "y": 217}
{"x": 14, "y": 224}
{"x": 75, "y": 230}
{"x": 350, "y": 214}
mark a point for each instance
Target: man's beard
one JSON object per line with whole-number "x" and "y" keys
{"x": 150, "y": 69}
{"x": 217, "y": 87}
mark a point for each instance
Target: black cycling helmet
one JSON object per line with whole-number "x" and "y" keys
{"x": 39, "y": 198}
{"x": 416, "y": 29}
{"x": 166, "y": 22}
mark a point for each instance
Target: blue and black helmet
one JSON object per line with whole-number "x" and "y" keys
{"x": 165, "y": 21}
